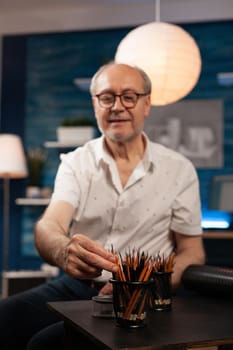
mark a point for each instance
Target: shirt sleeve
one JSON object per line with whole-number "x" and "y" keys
{"x": 66, "y": 185}
{"x": 186, "y": 218}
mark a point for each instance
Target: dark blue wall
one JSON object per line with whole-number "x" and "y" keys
{"x": 12, "y": 121}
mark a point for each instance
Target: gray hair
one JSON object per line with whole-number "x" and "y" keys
{"x": 145, "y": 77}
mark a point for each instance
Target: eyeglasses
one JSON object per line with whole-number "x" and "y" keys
{"x": 128, "y": 99}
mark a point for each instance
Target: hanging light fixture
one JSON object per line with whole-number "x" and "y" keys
{"x": 167, "y": 53}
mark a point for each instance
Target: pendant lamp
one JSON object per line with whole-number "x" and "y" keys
{"x": 168, "y": 54}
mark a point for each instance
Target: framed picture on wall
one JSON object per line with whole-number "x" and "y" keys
{"x": 194, "y": 128}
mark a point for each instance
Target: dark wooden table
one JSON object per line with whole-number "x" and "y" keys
{"x": 194, "y": 321}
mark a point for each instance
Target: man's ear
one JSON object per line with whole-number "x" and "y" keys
{"x": 148, "y": 105}
{"x": 94, "y": 103}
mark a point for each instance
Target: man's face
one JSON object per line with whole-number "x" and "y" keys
{"x": 119, "y": 123}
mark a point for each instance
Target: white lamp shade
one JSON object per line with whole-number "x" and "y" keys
{"x": 168, "y": 54}
{"x": 12, "y": 158}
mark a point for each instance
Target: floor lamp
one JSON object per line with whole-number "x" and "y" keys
{"x": 12, "y": 166}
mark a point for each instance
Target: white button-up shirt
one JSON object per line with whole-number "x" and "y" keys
{"x": 161, "y": 196}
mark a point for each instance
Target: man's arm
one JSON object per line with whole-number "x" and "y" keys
{"x": 189, "y": 250}
{"x": 78, "y": 256}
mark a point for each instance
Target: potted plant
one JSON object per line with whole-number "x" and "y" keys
{"x": 74, "y": 130}
{"x": 36, "y": 158}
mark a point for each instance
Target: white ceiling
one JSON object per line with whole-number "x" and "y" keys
{"x": 10, "y": 5}
{"x": 29, "y": 16}
{"x": 27, "y": 4}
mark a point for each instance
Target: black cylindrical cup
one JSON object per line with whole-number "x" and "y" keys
{"x": 130, "y": 302}
{"x": 161, "y": 292}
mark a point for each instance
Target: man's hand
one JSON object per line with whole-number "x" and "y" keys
{"x": 85, "y": 259}
{"x": 106, "y": 290}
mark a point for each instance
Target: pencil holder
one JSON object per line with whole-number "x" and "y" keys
{"x": 161, "y": 293}
{"x": 130, "y": 302}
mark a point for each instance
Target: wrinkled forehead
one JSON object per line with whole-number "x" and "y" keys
{"x": 119, "y": 78}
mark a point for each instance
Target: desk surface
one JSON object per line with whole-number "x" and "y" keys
{"x": 193, "y": 321}
{"x": 218, "y": 234}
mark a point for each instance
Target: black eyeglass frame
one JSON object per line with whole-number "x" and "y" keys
{"x": 137, "y": 94}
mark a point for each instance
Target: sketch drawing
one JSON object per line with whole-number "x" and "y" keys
{"x": 193, "y": 127}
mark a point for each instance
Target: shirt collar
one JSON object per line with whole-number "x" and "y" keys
{"x": 149, "y": 158}
{"x": 102, "y": 154}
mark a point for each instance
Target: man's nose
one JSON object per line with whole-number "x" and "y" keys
{"x": 117, "y": 103}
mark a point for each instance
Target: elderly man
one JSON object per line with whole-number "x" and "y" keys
{"x": 119, "y": 190}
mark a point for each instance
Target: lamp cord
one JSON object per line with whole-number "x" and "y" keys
{"x": 157, "y": 10}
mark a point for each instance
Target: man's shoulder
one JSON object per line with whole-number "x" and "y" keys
{"x": 163, "y": 151}
{"x": 170, "y": 158}
{"x": 87, "y": 153}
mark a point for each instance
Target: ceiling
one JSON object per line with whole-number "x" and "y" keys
{"x": 10, "y": 5}
{"x": 26, "y": 5}
{"x": 28, "y": 16}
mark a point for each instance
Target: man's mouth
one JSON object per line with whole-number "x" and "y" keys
{"x": 118, "y": 120}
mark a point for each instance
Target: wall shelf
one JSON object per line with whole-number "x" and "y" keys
{"x": 32, "y": 201}
{"x": 57, "y": 144}
{"x": 82, "y": 83}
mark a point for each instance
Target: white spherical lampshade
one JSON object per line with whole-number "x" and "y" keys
{"x": 168, "y": 54}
